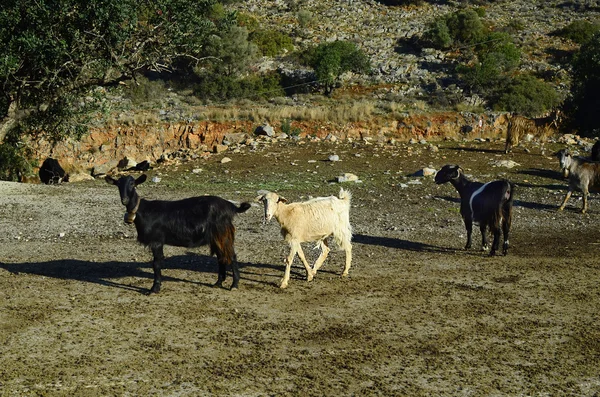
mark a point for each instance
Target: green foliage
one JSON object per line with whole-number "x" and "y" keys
{"x": 220, "y": 88}
{"x": 527, "y": 95}
{"x": 230, "y": 53}
{"x": 497, "y": 57}
{"x": 456, "y": 29}
{"x": 331, "y": 60}
{"x": 55, "y": 52}
{"x": 579, "y": 31}
{"x": 585, "y": 100}
{"x": 305, "y": 18}
{"x": 143, "y": 91}
{"x": 13, "y": 158}
{"x": 271, "y": 42}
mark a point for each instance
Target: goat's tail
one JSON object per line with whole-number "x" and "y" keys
{"x": 345, "y": 195}
{"x": 503, "y": 214}
{"x": 242, "y": 208}
{"x": 507, "y": 204}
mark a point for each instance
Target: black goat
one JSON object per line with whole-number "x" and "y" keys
{"x": 489, "y": 205}
{"x": 191, "y": 222}
{"x": 52, "y": 173}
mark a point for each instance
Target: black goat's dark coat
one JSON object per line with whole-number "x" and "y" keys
{"x": 487, "y": 204}
{"x": 191, "y": 222}
{"x": 52, "y": 173}
{"x": 596, "y": 151}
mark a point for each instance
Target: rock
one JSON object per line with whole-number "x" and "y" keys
{"x": 126, "y": 163}
{"x": 225, "y": 160}
{"x": 103, "y": 169}
{"x": 347, "y": 177}
{"x": 334, "y": 157}
{"x": 265, "y": 130}
{"x": 218, "y": 148}
{"x": 155, "y": 179}
{"x": 504, "y": 163}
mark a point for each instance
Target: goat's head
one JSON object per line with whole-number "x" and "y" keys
{"x": 126, "y": 185}
{"x": 565, "y": 159}
{"x": 269, "y": 200}
{"x": 448, "y": 173}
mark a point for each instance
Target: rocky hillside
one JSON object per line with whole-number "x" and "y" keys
{"x": 381, "y": 32}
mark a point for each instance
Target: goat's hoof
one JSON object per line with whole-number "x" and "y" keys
{"x": 345, "y": 274}
{"x": 234, "y": 288}
{"x": 154, "y": 290}
{"x": 283, "y": 286}
{"x": 310, "y": 276}
{"x": 218, "y": 284}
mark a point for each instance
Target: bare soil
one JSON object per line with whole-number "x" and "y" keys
{"x": 418, "y": 316}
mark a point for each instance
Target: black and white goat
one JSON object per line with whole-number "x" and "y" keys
{"x": 191, "y": 222}
{"x": 583, "y": 174}
{"x": 487, "y": 204}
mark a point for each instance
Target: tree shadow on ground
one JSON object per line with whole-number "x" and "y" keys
{"x": 110, "y": 273}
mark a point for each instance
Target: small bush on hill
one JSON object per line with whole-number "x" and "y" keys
{"x": 527, "y": 95}
{"x": 271, "y": 42}
{"x": 579, "y": 31}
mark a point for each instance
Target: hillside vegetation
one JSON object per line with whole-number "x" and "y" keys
{"x": 183, "y": 61}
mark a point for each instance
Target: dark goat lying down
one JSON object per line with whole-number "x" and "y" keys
{"x": 487, "y": 204}
{"x": 191, "y": 222}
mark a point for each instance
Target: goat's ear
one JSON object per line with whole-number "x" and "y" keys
{"x": 110, "y": 180}
{"x": 282, "y": 200}
{"x": 456, "y": 172}
{"x": 141, "y": 179}
{"x": 259, "y": 198}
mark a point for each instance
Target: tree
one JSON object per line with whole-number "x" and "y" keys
{"x": 585, "y": 101}
{"x": 54, "y": 51}
{"x": 331, "y": 60}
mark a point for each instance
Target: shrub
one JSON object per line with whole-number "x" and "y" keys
{"x": 144, "y": 91}
{"x": 331, "y": 60}
{"x": 221, "y": 88}
{"x": 305, "y": 18}
{"x": 455, "y": 29}
{"x": 271, "y": 42}
{"x": 527, "y": 95}
{"x": 585, "y": 101}
{"x": 579, "y": 31}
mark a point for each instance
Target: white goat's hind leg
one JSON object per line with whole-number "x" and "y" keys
{"x": 288, "y": 266}
{"x": 309, "y": 272}
{"x": 348, "y": 261}
{"x": 321, "y": 259}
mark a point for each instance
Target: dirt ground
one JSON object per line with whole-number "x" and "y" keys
{"x": 418, "y": 316}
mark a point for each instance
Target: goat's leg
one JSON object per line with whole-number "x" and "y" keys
{"x": 485, "y": 244}
{"x": 309, "y": 271}
{"x": 496, "y": 242}
{"x": 348, "y": 260}
{"x": 158, "y": 254}
{"x": 562, "y": 207}
{"x": 321, "y": 259}
{"x": 288, "y": 266}
{"x": 585, "y": 201}
{"x": 505, "y": 230}
{"x": 469, "y": 227}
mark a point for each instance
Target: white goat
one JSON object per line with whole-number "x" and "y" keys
{"x": 308, "y": 221}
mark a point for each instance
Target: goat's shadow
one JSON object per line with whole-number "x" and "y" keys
{"x": 477, "y": 150}
{"x": 397, "y": 243}
{"x": 110, "y": 273}
{"x": 516, "y": 203}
